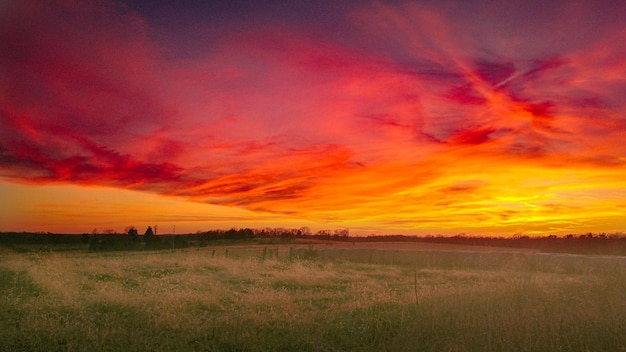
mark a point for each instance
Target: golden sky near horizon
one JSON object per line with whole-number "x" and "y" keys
{"x": 422, "y": 117}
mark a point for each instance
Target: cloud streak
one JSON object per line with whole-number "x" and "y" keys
{"x": 391, "y": 116}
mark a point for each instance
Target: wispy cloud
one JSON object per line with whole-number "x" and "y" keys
{"x": 415, "y": 116}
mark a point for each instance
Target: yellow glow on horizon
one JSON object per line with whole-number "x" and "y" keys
{"x": 76, "y": 209}
{"x": 490, "y": 197}
{"x": 417, "y": 119}
{"x": 496, "y": 199}
{"x": 479, "y": 188}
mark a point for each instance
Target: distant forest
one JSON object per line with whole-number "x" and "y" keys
{"x": 589, "y": 243}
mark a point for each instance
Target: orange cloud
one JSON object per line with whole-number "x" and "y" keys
{"x": 439, "y": 118}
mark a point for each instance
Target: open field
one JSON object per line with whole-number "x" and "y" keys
{"x": 312, "y": 296}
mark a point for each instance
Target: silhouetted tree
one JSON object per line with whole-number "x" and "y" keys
{"x": 131, "y": 230}
{"x": 149, "y": 237}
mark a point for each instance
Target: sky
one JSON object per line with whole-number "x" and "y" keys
{"x": 383, "y": 117}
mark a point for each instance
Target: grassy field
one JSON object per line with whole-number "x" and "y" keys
{"x": 311, "y": 297}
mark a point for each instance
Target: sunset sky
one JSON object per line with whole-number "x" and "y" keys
{"x": 386, "y": 117}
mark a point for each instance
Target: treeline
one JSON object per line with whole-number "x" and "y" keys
{"x": 41, "y": 238}
{"x": 237, "y": 234}
{"x": 589, "y": 243}
{"x": 132, "y": 239}
{"x": 277, "y": 233}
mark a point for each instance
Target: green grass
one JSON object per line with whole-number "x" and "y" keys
{"x": 279, "y": 299}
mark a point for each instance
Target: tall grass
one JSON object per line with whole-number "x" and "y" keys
{"x": 274, "y": 298}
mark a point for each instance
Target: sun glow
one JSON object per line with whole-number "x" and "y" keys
{"x": 395, "y": 117}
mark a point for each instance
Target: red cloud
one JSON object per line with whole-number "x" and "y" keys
{"x": 292, "y": 119}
